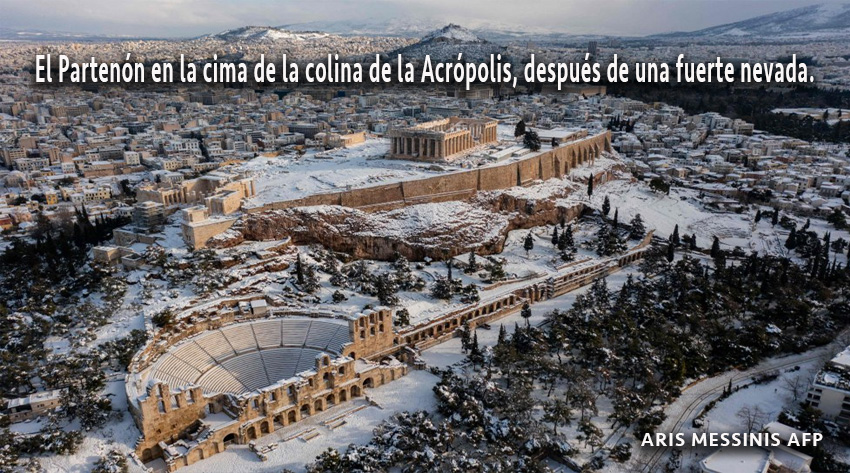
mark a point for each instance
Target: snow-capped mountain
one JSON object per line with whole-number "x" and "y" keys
{"x": 445, "y": 43}
{"x": 825, "y": 20}
{"x": 452, "y": 33}
{"x": 411, "y": 28}
{"x": 264, "y": 34}
{"x": 371, "y": 27}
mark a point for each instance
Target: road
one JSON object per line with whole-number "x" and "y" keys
{"x": 695, "y": 396}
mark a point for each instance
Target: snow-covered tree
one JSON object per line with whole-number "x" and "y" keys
{"x": 637, "y": 230}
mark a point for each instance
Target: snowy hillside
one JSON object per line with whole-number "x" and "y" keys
{"x": 445, "y": 44}
{"x": 829, "y": 20}
{"x": 264, "y": 34}
{"x": 418, "y": 27}
{"x": 452, "y": 33}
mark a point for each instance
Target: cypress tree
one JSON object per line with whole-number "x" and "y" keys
{"x": 525, "y": 313}
{"x": 528, "y": 244}
{"x": 638, "y": 230}
{"x": 715, "y": 247}
{"x": 299, "y": 270}
{"x": 519, "y": 130}
{"x": 791, "y": 242}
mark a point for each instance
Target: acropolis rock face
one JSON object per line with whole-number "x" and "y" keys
{"x": 416, "y": 232}
{"x": 435, "y": 230}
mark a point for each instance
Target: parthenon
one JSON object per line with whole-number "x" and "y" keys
{"x": 439, "y": 140}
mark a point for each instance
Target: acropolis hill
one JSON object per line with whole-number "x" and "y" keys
{"x": 547, "y": 163}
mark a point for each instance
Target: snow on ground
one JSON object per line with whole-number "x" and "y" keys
{"x": 120, "y": 434}
{"x": 291, "y": 177}
{"x": 770, "y": 398}
{"x": 449, "y": 353}
{"x": 816, "y": 113}
{"x": 683, "y": 207}
{"x": 663, "y": 212}
{"x": 408, "y": 393}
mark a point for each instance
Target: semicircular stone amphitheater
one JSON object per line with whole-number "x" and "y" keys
{"x": 246, "y": 357}
{"x": 219, "y": 380}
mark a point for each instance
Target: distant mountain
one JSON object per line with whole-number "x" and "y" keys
{"x": 265, "y": 34}
{"x": 445, "y": 43}
{"x": 825, "y": 20}
{"x": 410, "y": 28}
{"x": 451, "y": 33}
{"x": 12, "y": 34}
{"x": 371, "y": 27}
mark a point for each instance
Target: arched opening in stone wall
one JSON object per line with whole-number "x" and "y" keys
{"x": 355, "y": 391}
{"x": 147, "y": 455}
{"x": 317, "y": 407}
{"x": 330, "y": 400}
{"x": 291, "y": 416}
{"x": 305, "y": 411}
{"x": 229, "y": 439}
{"x": 252, "y": 433}
{"x": 368, "y": 383}
{"x": 264, "y": 427}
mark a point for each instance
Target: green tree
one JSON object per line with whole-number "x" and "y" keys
{"x": 837, "y": 218}
{"x": 519, "y": 129}
{"x": 658, "y": 184}
{"x": 715, "y": 248}
{"x": 637, "y": 230}
{"x": 531, "y": 140}
{"x": 528, "y": 243}
{"x": 791, "y": 241}
{"x": 525, "y": 313}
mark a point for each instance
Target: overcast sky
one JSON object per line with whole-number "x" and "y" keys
{"x": 182, "y": 18}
